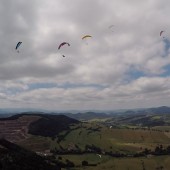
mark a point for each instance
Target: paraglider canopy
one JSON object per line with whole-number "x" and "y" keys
{"x": 161, "y": 33}
{"x": 62, "y": 44}
{"x": 111, "y": 26}
{"x": 86, "y": 36}
{"x": 17, "y": 46}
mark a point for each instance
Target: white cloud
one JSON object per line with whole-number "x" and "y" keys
{"x": 108, "y": 59}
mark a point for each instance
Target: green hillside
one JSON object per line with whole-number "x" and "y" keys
{"x": 13, "y": 157}
{"x": 97, "y": 144}
{"x": 123, "y": 140}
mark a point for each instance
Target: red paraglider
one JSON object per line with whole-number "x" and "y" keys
{"x": 62, "y": 44}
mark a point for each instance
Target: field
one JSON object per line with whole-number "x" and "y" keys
{"x": 109, "y": 163}
{"x": 111, "y": 139}
{"x": 100, "y": 144}
{"x": 115, "y": 140}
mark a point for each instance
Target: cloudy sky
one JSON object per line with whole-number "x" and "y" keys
{"x": 125, "y": 66}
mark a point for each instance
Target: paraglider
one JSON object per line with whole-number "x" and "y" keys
{"x": 86, "y": 36}
{"x": 161, "y": 32}
{"x": 62, "y": 44}
{"x": 111, "y": 27}
{"x": 17, "y": 46}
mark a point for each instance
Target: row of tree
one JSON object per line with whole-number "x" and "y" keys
{"x": 159, "y": 150}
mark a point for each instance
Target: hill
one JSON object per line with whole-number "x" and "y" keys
{"x": 51, "y": 125}
{"x": 96, "y": 143}
{"x": 119, "y": 113}
{"x": 14, "y": 157}
{"x": 88, "y": 115}
{"x": 18, "y": 127}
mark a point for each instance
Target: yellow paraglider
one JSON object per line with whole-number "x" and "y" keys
{"x": 86, "y": 36}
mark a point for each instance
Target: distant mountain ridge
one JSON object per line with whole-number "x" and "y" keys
{"x": 94, "y": 115}
{"x": 162, "y": 109}
{"x": 88, "y": 115}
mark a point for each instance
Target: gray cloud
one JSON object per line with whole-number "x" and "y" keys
{"x": 130, "y": 61}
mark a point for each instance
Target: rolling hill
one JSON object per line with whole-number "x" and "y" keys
{"x": 14, "y": 157}
{"x": 131, "y": 135}
{"x": 18, "y": 127}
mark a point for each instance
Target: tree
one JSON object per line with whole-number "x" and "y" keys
{"x": 84, "y": 163}
{"x": 69, "y": 163}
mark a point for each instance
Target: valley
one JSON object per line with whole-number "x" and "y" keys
{"x": 118, "y": 142}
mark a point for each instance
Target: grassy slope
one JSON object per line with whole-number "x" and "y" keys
{"x": 125, "y": 140}
{"x": 116, "y": 139}
{"x": 109, "y": 163}
{"x": 122, "y": 140}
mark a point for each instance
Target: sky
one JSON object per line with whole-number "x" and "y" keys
{"x": 126, "y": 63}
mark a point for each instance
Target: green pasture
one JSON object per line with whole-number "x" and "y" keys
{"x": 163, "y": 128}
{"x": 125, "y": 140}
{"x": 110, "y": 163}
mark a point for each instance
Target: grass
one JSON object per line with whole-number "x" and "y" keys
{"x": 109, "y": 163}
{"x": 123, "y": 140}
{"x": 156, "y": 117}
{"x": 108, "y": 139}
{"x": 116, "y": 139}
{"x": 36, "y": 143}
{"x": 163, "y": 128}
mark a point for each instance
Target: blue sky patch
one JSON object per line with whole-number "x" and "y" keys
{"x": 66, "y": 85}
{"x": 134, "y": 73}
{"x": 167, "y": 47}
{"x": 167, "y": 71}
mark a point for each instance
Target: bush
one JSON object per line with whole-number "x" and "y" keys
{"x": 84, "y": 163}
